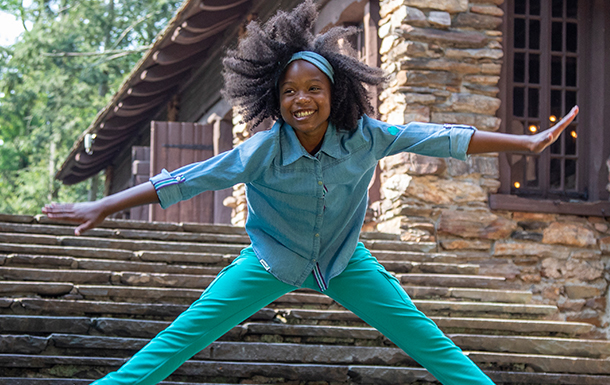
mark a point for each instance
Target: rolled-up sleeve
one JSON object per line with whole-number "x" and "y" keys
{"x": 439, "y": 140}
{"x": 239, "y": 165}
{"x": 167, "y": 188}
{"x": 460, "y": 137}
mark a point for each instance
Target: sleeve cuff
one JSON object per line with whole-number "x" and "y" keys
{"x": 167, "y": 188}
{"x": 460, "y": 140}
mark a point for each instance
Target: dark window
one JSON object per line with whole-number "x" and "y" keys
{"x": 556, "y": 56}
{"x": 358, "y": 40}
{"x": 544, "y": 58}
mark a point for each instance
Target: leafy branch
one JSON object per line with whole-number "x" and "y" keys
{"x": 115, "y": 53}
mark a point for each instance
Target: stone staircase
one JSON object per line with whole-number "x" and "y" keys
{"x": 74, "y": 308}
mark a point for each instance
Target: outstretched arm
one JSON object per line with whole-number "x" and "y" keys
{"x": 90, "y": 214}
{"x": 495, "y": 142}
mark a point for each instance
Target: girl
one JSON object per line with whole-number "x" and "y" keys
{"x": 307, "y": 180}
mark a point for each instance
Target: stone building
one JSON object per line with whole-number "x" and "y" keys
{"x": 513, "y": 66}
{"x": 516, "y": 67}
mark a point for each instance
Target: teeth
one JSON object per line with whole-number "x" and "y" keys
{"x": 301, "y": 114}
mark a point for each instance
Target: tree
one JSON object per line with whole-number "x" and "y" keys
{"x": 55, "y": 78}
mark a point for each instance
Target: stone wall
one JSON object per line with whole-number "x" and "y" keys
{"x": 444, "y": 58}
{"x": 237, "y": 201}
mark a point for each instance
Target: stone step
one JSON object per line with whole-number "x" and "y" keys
{"x": 453, "y": 280}
{"x": 315, "y": 353}
{"x": 397, "y": 375}
{"x": 107, "y": 277}
{"x": 31, "y": 239}
{"x": 56, "y": 275}
{"x": 193, "y": 368}
{"x": 16, "y": 288}
{"x": 372, "y": 372}
{"x": 339, "y": 374}
{"x": 13, "y": 229}
{"x": 17, "y": 218}
{"x": 146, "y": 225}
{"x": 413, "y": 256}
{"x": 60, "y": 307}
{"x": 89, "y": 246}
{"x": 38, "y": 306}
{"x": 199, "y": 277}
{"x": 423, "y": 247}
{"x": 24, "y": 288}
{"x": 172, "y": 231}
{"x": 78, "y": 306}
{"x": 76, "y": 381}
{"x": 140, "y": 328}
{"x": 488, "y": 295}
{"x": 212, "y": 245}
{"x": 513, "y": 326}
{"x": 171, "y": 257}
{"x": 319, "y": 353}
{"x": 81, "y": 252}
{"x": 71, "y": 256}
{"x": 544, "y": 363}
{"x": 42, "y": 261}
{"x": 50, "y": 261}
{"x": 454, "y": 323}
{"x": 95, "y": 259}
{"x": 34, "y": 228}
{"x": 83, "y": 345}
{"x": 139, "y": 294}
{"x": 456, "y": 308}
{"x": 429, "y": 267}
{"x": 549, "y": 346}
{"x": 376, "y": 235}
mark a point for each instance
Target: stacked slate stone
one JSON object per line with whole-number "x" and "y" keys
{"x": 445, "y": 59}
{"x": 75, "y": 308}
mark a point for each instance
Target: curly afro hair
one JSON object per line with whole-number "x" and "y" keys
{"x": 251, "y": 72}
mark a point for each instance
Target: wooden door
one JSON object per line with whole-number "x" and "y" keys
{"x": 175, "y": 144}
{"x": 140, "y": 173}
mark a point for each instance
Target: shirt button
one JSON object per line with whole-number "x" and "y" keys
{"x": 320, "y": 182}
{"x": 317, "y": 235}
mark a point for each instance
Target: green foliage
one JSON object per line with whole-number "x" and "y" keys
{"x": 54, "y": 80}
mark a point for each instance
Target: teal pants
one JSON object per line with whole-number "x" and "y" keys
{"x": 244, "y": 287}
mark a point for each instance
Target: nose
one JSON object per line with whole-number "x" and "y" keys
{"x": 302, "y": 97}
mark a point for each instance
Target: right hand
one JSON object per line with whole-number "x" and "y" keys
{"x": 545, "y": 138}
{"x": 86, "y": 214}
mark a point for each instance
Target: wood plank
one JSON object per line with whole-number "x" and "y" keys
{"x": 186, "y": 156}
{"x": 515, "y": 203}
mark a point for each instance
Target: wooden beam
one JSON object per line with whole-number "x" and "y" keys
{"x": 515, "y": 203}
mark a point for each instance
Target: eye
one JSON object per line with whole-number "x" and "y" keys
{"x": 287, "y": 91}
{"x": 314, "y": 88}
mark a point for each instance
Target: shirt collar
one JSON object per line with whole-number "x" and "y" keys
{"x": 293, "y": 150}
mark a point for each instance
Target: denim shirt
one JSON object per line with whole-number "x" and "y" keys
{"x": 305, "y": 211}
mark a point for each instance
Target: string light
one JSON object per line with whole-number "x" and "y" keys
{"x": 517, "y": 185}
{"x": 533, "y": 128}
{"x": 553, "y": 118}
{"x": 574, "y": 134}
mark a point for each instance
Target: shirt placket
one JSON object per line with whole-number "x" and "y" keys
{"x": 321, "y": 205}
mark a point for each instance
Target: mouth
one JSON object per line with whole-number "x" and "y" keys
{"x": 303, "y": 113}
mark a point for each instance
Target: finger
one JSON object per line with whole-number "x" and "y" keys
{"x": 570, "y": 116}
{"x": 82, "y": 228}
{"x": 58, "y": 208}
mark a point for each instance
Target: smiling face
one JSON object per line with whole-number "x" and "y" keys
{"x": 305, "y": 102}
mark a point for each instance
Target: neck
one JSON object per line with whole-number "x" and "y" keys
{"x": 315, "y": 150}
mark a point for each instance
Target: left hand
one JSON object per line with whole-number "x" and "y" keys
{"x": 545, "y": 138}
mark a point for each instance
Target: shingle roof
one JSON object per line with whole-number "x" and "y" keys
{"x": 166, "y": 66}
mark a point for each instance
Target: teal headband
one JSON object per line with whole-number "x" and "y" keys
{"x": 317, "y": 60}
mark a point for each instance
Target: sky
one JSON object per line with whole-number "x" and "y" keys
{"x": 10, "y": 28}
